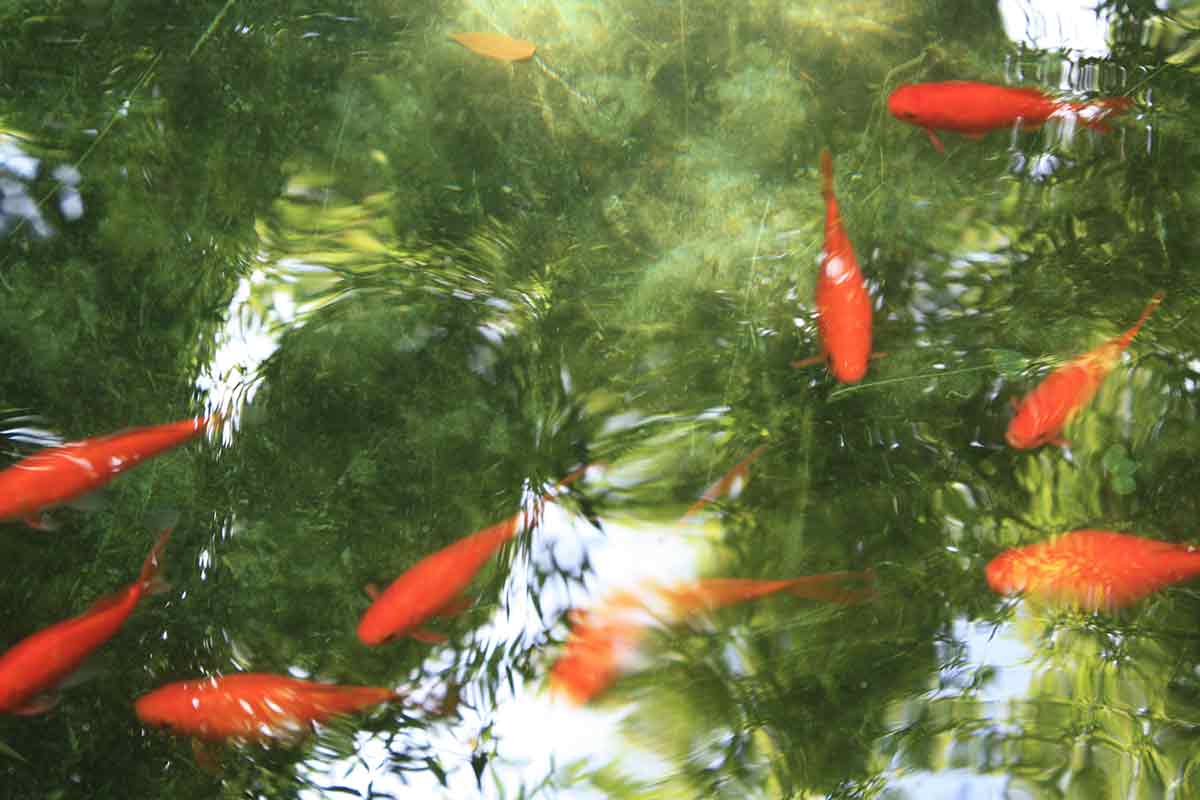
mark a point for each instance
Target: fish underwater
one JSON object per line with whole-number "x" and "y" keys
{"x": 434, "y": 586}
{"x": 1043, "y": 413}
{"x": 728, "y": 485}
{"x": 843, "y": 303}
{"x": 58, "y": 475}
{"x": 1093, "y": 570}
{"x": 252, "y": 706}
{"x": 603, "y": 641}
{"x": 32, "y": 668}
{"x": 974, "y": 109}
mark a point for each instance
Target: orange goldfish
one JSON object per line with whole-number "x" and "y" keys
{"x": 1042, "y": 414}
{"x": 59, "y": 474}
{"x": 604, "y": 640}
{"x": 974, "y": 108}
{"x": 434, "y": 585}
{"x": 1094, "y": 570}
{"x": 37, "y": 664}
{"x": 843, "y": 304}
{"x": 252, "y": 706}
{"x": 729, "y": 484}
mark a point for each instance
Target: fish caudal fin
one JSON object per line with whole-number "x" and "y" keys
{"x": 1094, "y": 113}
{"x": 826, "y": 172}
{"x": 836, "y": 587}
{"x": 1127, "y": 337}
{"x": 150, "y": 566}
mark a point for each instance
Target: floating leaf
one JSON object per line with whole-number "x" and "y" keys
{"x": 496, "y": 45}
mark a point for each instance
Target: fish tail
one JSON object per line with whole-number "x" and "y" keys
{"x": 1127, "y": 337}
{"x": 835, "y": 586}
{"x": 826, "y": 172}
{"x": 1094, "y": 112}
{"x": 151, "y": 564}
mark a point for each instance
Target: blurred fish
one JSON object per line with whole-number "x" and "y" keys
{"x": 1042, "y": 414}
{"x": 32, "y": 669}
{"x": 61, "y": 474}
{"x": 843, "y": 304}
{"x": 974, "y": 108}
{"x": 496, "y": 46}
{"x": 434, "y": 586}
{"x": 1094, "y": 570}
{"x": 729, "y": 485}
{"x": 252, "y": 706}
{"x": 604, "y": 640}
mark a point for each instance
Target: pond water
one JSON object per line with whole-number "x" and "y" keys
{"x": 419, "y": 286}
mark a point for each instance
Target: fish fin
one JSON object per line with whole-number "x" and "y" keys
{"x": 206, "y": 759}
{"x": 160, "y": 519}
{"x": 976, "y": 135}
{"x": 151, "y": 564}
{"x": 1015, "y": 403}
{"x": 90, "y": 502}
{"x": 937, "y": 143}
{"x": 811, "y": 361}
{"x": 455, "y": 605}
{"x": 37, "y": 705}
{"x": 156, "y": 585}
{"x": 372, "y": 591}
{"x": 826, "y": 172}
{"x": 41, "y": 522}
{"x": 1059, "y": 441}
{"x": 834, "y": 587}
{"x": 1093, "y": 114}
{"x": 428, "y": 636}
{"x": 1124, "y": 339}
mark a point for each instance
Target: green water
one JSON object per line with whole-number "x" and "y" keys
{"x": 419, "y": 282}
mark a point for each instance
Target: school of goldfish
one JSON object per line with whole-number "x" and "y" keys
{"x": 1093, "y": 570}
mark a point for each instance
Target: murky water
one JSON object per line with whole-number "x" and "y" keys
{"x": 421, "y": 285}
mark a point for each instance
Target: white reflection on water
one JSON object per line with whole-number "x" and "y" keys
{"x": 1009, "y": 663}
{"x": 1057, "y": 25}
{"x": 533, "y": 733}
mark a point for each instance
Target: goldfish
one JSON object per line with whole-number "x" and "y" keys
{"x": 729, "y": 484}
{"x": 252, "y": 706}
{"x": 36, "y": 665}
{"x": 1043, "y": 413}
{"x": 974, "y": 108}
{"x": 434, "y": 585}
{"x": 604, "y": 640}
{"x": 496, "y": 46}
{"x": 1093, "y": 570}
{"x": 843, "y": 304}
{"x": 57, "y": 475}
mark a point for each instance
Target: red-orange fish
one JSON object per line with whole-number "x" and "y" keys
{"x": 252, "y": 706}
{"x": 974, "y": 108}
{"x": 843, "y": 304}
{"x": 1042, "y": 414}
{"x": 729, "y": 484}
{"x": 35, "y": 666}
{"x": 604, "y": 640}
{"x": 434, "y": 585}
{"x": 59, "y": 474}
{"x": 1094, "y": 570}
